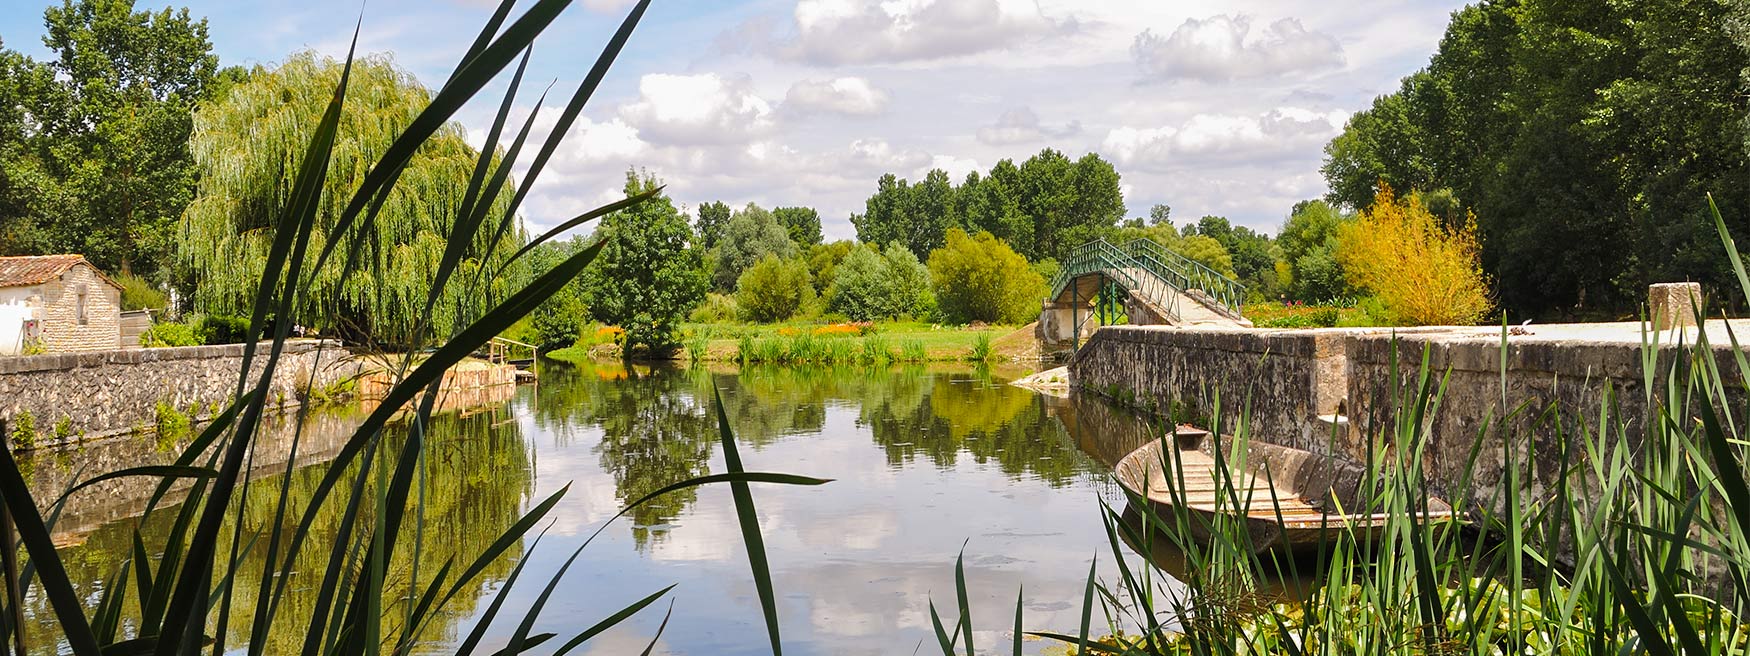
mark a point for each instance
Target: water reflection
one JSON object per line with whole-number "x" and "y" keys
{"x": 925, "y": 459}
{"x": 479, "y": 466}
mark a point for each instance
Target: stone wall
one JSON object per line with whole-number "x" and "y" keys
{"x": 1281, "y": 380}
{"x": 66, "y": 327}
{"x": 1552, "y": 376}
{"x": 1549, "y": 382}
{"x": 106, "y": 393}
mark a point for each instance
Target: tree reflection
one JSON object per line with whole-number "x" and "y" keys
{"x": 479, "y": 478}
{"x": 655, "y": 431}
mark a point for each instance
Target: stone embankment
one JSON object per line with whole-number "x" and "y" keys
{"x": 1332, "y": 390}
{"x": 65, "y": 398}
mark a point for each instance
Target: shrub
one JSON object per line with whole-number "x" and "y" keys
{"x": 981, "y": 279}
{"x": 172, "y": 424}
{"x": 870, "y": 285}
{"x": 166, "y": 334}
{"x": 717, "y": 308}
{"x": 24, "y": 430}
{"x": 222, "y": 329}
{"x": 558, "y": 322}
{"x": 1424, "y": 274}
{"x": 139, "y": 294}
{"x": 773, "y": 289}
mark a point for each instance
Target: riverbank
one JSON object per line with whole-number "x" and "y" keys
{"x": 841, "y": 343}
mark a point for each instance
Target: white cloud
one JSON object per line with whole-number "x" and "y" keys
{"x": 1021, "y": 125}
{"x": 852, "y": 96}
{"x": 1218, "y": 49}
{"x": 955, "y": 167}
{"x": 697, "y": 109}
{"x": 837, "y": 32}
{"x": 1224, "y": 138}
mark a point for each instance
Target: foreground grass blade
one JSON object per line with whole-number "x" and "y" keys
{"x": 750, "y": 526}
{"x": 1020, "y": 594}
{"x": 611, "y": 620}
{"x": 69, "y": 609}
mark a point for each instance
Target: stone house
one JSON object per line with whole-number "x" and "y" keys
{"x": 60, "y": 303}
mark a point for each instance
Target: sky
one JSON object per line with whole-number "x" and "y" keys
{"x": 1210, "y": 107}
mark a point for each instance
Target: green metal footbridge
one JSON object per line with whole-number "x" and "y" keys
{"x": 1140, "y": 282}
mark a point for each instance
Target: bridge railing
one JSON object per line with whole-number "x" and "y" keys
{"x": 1101, "y": 256}
{"x": 1187, "y": 274}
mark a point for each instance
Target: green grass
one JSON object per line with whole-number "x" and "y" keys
{"x": 911, "y": 341}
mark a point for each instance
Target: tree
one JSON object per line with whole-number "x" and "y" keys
{"x": 645, "y": 280}
{"x": 752, "y": 233}
{"x": 1307, "y": 247}
{"x": 1424, "y": 274}
{"x": 248, "y": 146}
{"x": 802, "y": 224}
{"x": 982, "y": 279}
{"x": 1160, "y": 214}
{"x": 1584, "y": 138}
{"x": 712, "y": 218}
{"x": 103, "y": 166}
{"x": 558, "y": 321}
{"x": 872, "y": 284}
{"x": 774, "y": 289}
{"x": 824, "y": 259}
{"x": 1251, "y": 254}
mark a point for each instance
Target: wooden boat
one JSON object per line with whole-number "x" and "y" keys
{"x": 1292, "y": 500}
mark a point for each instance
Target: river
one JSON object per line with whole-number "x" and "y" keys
{"x": 924, "y": 460}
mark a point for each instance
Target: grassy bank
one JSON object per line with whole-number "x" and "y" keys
{"x": 799, "y": 343}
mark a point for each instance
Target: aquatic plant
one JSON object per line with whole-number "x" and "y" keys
{"x": 23, "y": 431}
{"x": 981, "y": 350}
{"x": 1641, "y": 544}
{"x": 187, "y": 582}
{"x": 912, "y": 350}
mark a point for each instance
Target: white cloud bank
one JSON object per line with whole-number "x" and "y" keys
{"x": 1218, "y": 48}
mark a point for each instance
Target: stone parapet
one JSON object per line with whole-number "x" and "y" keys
{"x": 104, "y": 393}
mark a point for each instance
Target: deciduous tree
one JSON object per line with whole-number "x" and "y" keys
{"x": 645, "y": 280}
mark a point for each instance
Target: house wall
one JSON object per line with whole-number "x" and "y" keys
{"x": 61, "y": 330}
{"x": 15, "y": 309}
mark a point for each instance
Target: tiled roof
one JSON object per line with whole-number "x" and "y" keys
{"x": 37, "y": 269}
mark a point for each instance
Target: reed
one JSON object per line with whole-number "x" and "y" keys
{"x": 187, "y": 586}
{"x": 1639, "y": 545}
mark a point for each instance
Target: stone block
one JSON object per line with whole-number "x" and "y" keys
{"x": 1673, "y": 304}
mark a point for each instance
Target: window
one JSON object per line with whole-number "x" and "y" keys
{"x": 82, "y": 318}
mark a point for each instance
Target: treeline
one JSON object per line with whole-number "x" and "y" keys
{"x": 135, "y": 148}
{"x": 1584, "y": 138}
{"x": 94, "y": 155}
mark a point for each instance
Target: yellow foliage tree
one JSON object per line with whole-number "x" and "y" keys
{"x": 1423, "y": 273}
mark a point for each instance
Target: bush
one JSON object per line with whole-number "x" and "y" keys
{"x": 138, "y": 294}
{"x": 717, "y": 308}
{"x": 222, "y": 329}
{"x": 558, "y": 322}
{"x": 982, "y": 279}
{"x": 166, "y": 334}
{"x": 870, "y": 285}
{"x": 1424, "y": 274}
{"x": 773, "y": 289}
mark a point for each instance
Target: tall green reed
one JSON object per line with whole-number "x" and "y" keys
{"x": 1639, "y": 544}
{"x": 185, "y": 585}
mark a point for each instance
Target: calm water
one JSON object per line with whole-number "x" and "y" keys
{"x": 924, "y": 460}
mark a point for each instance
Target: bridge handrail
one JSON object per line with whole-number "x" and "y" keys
{"x": 1102, "y": 256}
{"x": 1187, "y": 273}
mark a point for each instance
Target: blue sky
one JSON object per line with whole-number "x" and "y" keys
{"x": 1210, "y": 107}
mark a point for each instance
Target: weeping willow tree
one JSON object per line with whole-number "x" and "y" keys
{"x": 248, "y": 146}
